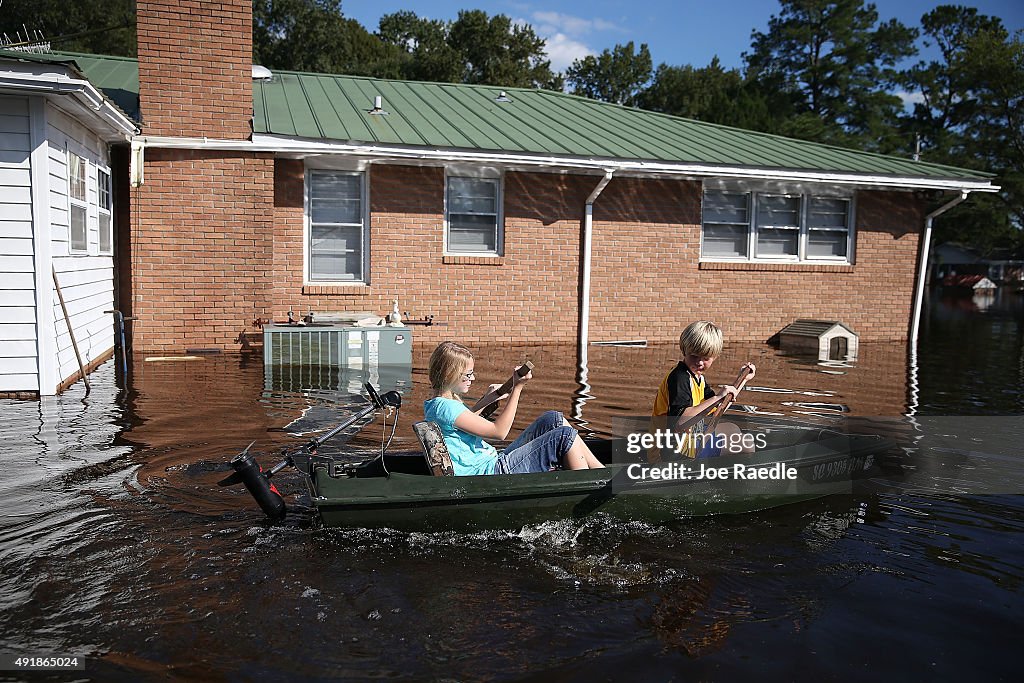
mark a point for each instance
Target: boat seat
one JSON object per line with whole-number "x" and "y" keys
{"x": 434, "y": 448}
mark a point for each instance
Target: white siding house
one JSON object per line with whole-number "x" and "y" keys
{"x": 56, "y": 215}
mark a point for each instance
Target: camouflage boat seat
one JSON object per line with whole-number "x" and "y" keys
{"x": 434, "y": 448}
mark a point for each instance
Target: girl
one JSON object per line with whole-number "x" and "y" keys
{"x": 549, "y": 443}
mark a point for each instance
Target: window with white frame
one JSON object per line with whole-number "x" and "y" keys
{"x": 104, "y": 200}
{"x": 473, "y": 216}
{"x": 776, "y": 226}
{"x": 78, "y": 209}
{"x": 338, "y": 240}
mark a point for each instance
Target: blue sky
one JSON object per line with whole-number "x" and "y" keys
{"x": 677, "y": 31}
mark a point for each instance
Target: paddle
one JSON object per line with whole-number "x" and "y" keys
{"x": 488, "y": 403}
{"x": 741, "y": 380}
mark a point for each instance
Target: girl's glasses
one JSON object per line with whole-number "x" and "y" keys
{"x": 470, "y": 375}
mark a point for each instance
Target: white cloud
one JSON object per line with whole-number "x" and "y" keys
{"x": 563, "y": 51}
{"x": 565, "y": 35}
{"x": 573, "y": 26}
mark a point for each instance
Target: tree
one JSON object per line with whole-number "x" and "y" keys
{"x": 715, "y": 95}
{"x": 838, "y": 62}
{"x": 475, "y": 48}
{"x": 92, "y": 26}
{"x": 497, "y": 52}
{"x": 421, "y": 48}
{"x": 971, "y": 114}
{"x": 619, "y": 75}
{"x": 312, "y": 35}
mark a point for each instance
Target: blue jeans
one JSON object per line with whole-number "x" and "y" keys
{"x": 539, "y": 448}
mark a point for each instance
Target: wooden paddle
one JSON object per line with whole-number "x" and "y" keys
{"x": 741, "y": 380}
{"x": 489, "y": 402}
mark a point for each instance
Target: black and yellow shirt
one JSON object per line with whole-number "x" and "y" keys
{"x": 680, "y": 390}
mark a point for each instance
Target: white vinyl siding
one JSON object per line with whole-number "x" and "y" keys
{"x": 473, "y": 222}
{"x": 18, "y": 352}
{"x": 86, "y": 278}
{"x": 337, "y": 243}
{"x": 776, "y": 226}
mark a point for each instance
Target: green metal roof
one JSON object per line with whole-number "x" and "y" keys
{"x": 466, "y": 117}
{"x": 117, "y": 77}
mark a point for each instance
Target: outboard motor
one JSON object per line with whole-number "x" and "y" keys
{"x": 266, "y": 494}
{"x": 249, "y": 472}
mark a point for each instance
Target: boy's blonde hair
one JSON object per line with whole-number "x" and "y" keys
{"x": 702, "y": 338}
{"x": 447, "y": 364}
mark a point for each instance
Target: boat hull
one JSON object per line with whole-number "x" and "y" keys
{"x": 408, "y": 500}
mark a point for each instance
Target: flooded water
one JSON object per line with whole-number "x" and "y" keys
{"x": 117, "y": 545}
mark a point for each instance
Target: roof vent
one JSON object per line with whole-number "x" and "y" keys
{"x": 378, "y": 107}
{"x": 502, "y": 97}
{"x": 261, "y": 73}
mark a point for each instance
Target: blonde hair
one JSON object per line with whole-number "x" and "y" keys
{"x": 447, "y": 364}
{"x": 702, "y": 338}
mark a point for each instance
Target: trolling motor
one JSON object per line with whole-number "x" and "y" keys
{"x": 250, "y": 473}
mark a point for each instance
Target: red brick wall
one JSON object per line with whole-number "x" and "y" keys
{"x": 195, "y": 68}
{"x": 218, "y": 240}
{"x": 647, "y": 282}
{"x": 201, "y": 248}
{"x": 530, "y": 292}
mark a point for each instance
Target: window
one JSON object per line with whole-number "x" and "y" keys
{"x": 726, "y": 224}
{"x": 338, "y": 245}
{"x": 770, "y": 226}
{"x": 473, "y": 216}
{"x": 105, "y": 205}
{"x": 828, "y": 228}
{"x": 77, "y": 199}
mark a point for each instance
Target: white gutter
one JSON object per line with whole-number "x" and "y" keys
{"x": 282, "y": 145}
{"x": 922, "y": 267}
{"x": 588, "y": 226}
{"x": 82, "y": 90}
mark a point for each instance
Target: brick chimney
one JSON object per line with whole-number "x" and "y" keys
{"x": 195, "y": 68}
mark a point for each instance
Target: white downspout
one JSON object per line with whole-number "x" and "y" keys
{"x": 922, "y": 275}
{"x": 588, "y": 226}
{"x": 582, "y": 393}
{"x": 137, "y": 162}
{"x": 922, "y": 267}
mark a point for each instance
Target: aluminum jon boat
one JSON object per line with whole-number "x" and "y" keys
{"x": 795, "y": 462}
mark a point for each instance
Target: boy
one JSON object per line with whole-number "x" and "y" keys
{"x": 684, "y": 393}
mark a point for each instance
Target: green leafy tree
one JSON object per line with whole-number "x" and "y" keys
{"x": 497, "y": 52}
{"x": 619, "y": 75}
{"x": 312, "y": 35}
{"x": 421, "y": 48}
{"x": 475, "y": 48}
{"x": 92, "y": 26}
{"x": 838, "y": 62}
{"x": 971, "y": 114}
{"x": 715, "y": 95}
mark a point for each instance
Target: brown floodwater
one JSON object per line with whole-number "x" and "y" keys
{"x": 117, "y": 545}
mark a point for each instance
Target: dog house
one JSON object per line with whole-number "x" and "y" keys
{"x": 829, "y": 339}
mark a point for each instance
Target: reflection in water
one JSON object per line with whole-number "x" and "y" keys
{"x": 117, "y": 543}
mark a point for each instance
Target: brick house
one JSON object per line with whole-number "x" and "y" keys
{"x": 511, "y": 215}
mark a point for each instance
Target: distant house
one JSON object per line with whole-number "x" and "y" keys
{"x": 509, "y": 214}
{"x": 57, "y": 216}
{"x": 959, "y": 265}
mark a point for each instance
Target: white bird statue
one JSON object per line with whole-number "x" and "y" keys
{"x": 395, "y": 317}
